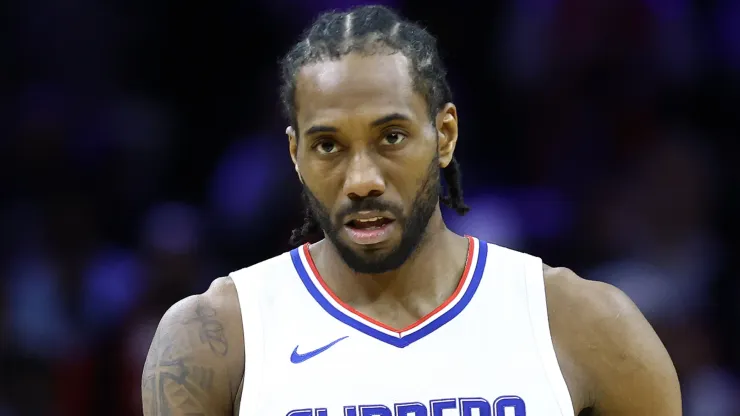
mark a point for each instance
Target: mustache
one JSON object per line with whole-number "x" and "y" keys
{"x": 369, "y": 204}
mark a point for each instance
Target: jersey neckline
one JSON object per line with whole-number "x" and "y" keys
{"x": 449, "y": 309}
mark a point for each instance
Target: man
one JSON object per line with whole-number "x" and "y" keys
{"x": 392, "y": 313}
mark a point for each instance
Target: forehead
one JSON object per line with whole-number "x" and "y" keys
{"x": 357, "y": 86}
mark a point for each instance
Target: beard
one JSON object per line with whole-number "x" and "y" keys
{"x": 413, "y": 226}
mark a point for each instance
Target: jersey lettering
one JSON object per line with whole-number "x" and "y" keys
{"x": 411, "y": 409}
{"x": 469, "y": 406}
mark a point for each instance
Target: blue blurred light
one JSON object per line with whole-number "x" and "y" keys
{"x": 245, "y": 177}
{"x": 172, "y": 227}
{"x": 492, "y": 218}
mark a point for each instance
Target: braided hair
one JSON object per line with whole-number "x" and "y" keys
{"x": 368, "y": 30}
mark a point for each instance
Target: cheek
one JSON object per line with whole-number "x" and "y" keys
{"x": 413, "y": 171}
{"x": 323, "y": 182}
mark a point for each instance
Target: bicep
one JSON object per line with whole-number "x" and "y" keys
{"x": 638, "y": 376}
{"x": 186, "y": 370}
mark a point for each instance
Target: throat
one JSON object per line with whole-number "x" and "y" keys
{"x": 392, "y": 314}
{"x": 401, "y": 298}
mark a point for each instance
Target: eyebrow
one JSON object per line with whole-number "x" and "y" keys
{"x": 389, "y": 118}
{"x": 320, "y": 129}
{"x": 375, "y": 123}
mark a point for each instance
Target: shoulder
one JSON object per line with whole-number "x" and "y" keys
{"x": 216, "y": 314}
{"x": 600, "y": 315}
{"x": 589, "y": 317}
{"x": 222, "y": 297}
{"x": 569, "y": 294}
{"x": 220, "y": 294}
{"x": 217, "y": 306}
{"x": 602, "y": 341}
{"x": 197, "y": 351}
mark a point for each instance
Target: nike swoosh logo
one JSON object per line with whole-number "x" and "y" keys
{"x": 296, "y": 358}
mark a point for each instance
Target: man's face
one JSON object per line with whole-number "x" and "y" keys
{"x": 369, "y": 157}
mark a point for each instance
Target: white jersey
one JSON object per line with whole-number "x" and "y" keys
{"x": 486, "y": 351}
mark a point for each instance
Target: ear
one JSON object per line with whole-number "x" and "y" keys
{"x": 293, "y": 147}
{"x": 446, "y": 124}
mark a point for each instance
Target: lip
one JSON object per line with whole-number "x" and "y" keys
{"x": 365, "y": 215}
{"x": 367, "y": 237}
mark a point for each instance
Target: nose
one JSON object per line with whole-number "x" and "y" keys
{"x": 363, "y": 178}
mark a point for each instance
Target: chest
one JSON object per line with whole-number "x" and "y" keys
{"x": 463, "y": 364}
{"x": 485, "y": 352}
{"x": 348, "y": 374}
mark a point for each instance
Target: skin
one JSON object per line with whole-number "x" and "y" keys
{"x": 195, "y": 363}
{"x": 612, "y": 360}
{"x": 361, "y": 164}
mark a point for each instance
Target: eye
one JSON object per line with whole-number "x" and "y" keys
{"x": 326, "y": 147}
{"x": 394, "y": 138}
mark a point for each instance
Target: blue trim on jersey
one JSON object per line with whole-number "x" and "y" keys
{"x": 406, "y": 340}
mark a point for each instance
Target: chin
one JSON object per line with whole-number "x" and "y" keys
{"x": 387, "y": 252}
{"x": 373, "y": 259}
{"x": 373, "y": 267}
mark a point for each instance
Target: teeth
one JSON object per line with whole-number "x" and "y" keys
{"x": 369, "y": 219}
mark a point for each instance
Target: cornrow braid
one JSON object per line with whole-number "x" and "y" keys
{"x": 454, "y": 198}
{"x": 371, "y": 30}
{"x": 309, "y": 227}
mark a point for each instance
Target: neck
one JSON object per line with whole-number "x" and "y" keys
{"x": 431, "y": 273}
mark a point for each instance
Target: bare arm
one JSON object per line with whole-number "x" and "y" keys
{"x": 638, "y": 376}
{"x": 193, "y": 365}
{"x": 622, "y": 367}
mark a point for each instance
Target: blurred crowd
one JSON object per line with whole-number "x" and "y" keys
{"x": 142, "y": 155}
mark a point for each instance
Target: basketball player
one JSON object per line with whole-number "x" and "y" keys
{"x": 392, "y": 314}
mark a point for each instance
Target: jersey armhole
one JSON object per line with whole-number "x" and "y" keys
{"x": 539, "y": 320}
{"x": 248, "y": 290}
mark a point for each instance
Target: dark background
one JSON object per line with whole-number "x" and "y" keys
{"x": 142, "y": 154}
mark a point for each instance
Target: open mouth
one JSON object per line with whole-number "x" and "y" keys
{"x": 370, "y": 230}
{"x": 368, "y": 224}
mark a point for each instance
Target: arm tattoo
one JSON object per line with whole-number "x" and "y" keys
{"x": 181, "y": 366}
{"x": 211, "y": 330}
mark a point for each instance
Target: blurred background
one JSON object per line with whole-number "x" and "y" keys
{"x": 142, "y": 155}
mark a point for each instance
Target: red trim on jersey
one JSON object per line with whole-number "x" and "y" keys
{"x": 463, "y": 278}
